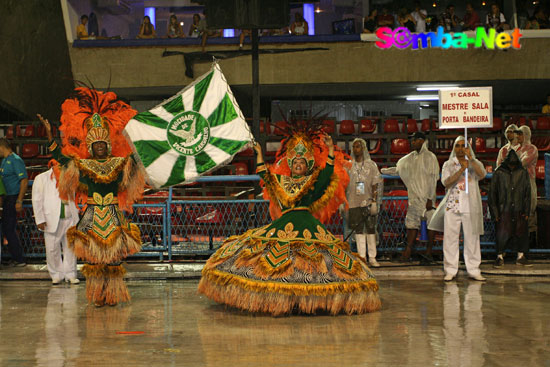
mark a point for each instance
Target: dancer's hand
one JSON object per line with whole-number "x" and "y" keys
{"x": 257, "y": 147}
{"x": 328, "y": 140}
{"x": 46, "y": 125}
{"x": 42, "y": 226}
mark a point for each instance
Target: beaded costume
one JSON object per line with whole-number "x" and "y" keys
{"x": 103, "y": 237}
{"x": 294, "y": 263}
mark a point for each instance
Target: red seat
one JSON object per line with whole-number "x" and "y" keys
{"x": 367, "y": 126}
{"x": 525, "y": 121}
{"x": 347, "y": 127}
{"x": 497, "y": 124}
{"x": 425, "y": 125}
{"x": 29, "y": 150}
{"x": 539, "y": 169}
{"x": 9, "y": 132}
{"x": 391, "y": 126}
{"x": 329, "y": 126}
{"x": 31, "y": 175}
{"x": 29, "y": 131}
{"x": 410, "y": 126}
{"x": 543, "y": 123}
{"x": 265, "y": 127}
{"x": 400, "y": 146}
{"x": 280, "y": 127}
{"x": 240, "y": 168}
{"x": 480, "y": 145}
{"x": 248, "y": 152}
{"x": 376, "y": 149}
{"x": 542, "y": 143}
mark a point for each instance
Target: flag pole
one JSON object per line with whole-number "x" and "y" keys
{"x": 466, "y": 146}
{"x": 255, "y": 86}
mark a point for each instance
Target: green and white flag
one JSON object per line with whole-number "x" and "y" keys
{"x": 190, "y": 134}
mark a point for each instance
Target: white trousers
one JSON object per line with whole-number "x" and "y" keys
{"x": 451, "y": 249}
{"x": 60, "y": 267}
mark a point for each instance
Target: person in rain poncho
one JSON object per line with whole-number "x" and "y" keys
{"x": 528, "y": 153}
{"x": 363, "y": 193}
{"x": 460, "y": 207}
{"x": 510, "y": 134}
{"x": 509, "y": 202}
{"x": 419, "y": 170}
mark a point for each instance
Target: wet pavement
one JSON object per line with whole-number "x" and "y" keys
{"x": 424, "y": 322}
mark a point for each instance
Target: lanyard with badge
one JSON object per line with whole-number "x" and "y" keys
{"x": 360, "y": 183}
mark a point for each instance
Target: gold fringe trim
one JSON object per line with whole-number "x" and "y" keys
{"x": 319, "y": 204}
{"x": 277, "y": 192}
{"x": 85, "y": 247}
{"x": 265, "y": 270}
{"x": 224, "y": 279}
{"x": 353, "y": 273}
{"x": 105, "y": 284}
{"x": 112, "y": 176}
{"x": 281, "y": 299}
{"x": 310, "y": 264}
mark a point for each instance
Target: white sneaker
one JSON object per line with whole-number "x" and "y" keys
{"x": 56, "y": 281}
{"x": 373, "y": 263}
{"x": 478, "y": 277}
{"x": 448, "y": 277}
{"x": 74, "y": 281}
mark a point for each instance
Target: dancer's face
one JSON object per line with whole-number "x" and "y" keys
{"x": 99, "y": 149}
{"x": 510, "y": 135}
{"x": 299, "y": 167}
{"x": 460, "y": 149}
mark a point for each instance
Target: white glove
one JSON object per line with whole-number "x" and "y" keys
{"x": 373, "y": 208}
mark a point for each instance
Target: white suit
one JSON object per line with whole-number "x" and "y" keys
{"x": 46, "y": 205}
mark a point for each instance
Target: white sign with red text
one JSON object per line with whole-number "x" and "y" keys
{"x": 461, "y": 108}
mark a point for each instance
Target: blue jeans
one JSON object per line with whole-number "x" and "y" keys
{"x": 9, "y": 222}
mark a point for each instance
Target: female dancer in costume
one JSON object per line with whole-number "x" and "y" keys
{"x": 97, "y": 168}
{"x": 294, "y": 263}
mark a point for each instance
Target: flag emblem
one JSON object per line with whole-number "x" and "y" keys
{"x": 191, "y": 133}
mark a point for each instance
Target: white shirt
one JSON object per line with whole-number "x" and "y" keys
{"x": 420, "y": 22}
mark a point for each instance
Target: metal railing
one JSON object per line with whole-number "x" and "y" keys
{"x": 175, "y": 227}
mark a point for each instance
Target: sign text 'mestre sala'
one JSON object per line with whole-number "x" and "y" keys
{"x": 402, "y": 38}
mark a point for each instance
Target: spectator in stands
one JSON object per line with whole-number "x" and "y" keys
{"x": 406, "y": 20}
{"x": 450, "y": 20}
{"x": 363, "y": 192}
{"x": 147, "y": 30}
{"x": 419, "y": 15}
{"x": 244, "y": 33}
{"x": 509, "y": 203}
{"x": 495, "y": 19}
{"x": 14, "y": 176}
{"x": 175, "y": 30}
{"x": 532, "y": 23}
{"x": 542, "y": 18}
{"x": 471, "y": 18}
{"x": 385, "y": 19}
{"x": 528, "y": 154}
{"x": 54, "y": 217}
{"x": 81, "y": 31}
{"x": 205, "y": 32}
{"x": 512, "y": 144}
{"x": 369, "y": 24}
{"x": 299, "y": 27}
{"x": 194, "y": 29}
{"x": 460, "y": 207}
{"x": 546, "y": 107}
{"x": 419, "y": 171}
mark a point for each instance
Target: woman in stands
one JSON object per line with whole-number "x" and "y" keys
{"x": 294, "y": 263}
{"x": 147, "y": 30}
{"x": 299, "y": 27}
{"x": 194, "y": 29}
{"x": 175, "y": 30}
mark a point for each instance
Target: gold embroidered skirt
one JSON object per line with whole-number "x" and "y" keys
{"x": 293, "y": 264}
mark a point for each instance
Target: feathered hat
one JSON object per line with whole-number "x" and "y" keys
{"x": 89, "y": 116}
{"x": 304, "y": 139}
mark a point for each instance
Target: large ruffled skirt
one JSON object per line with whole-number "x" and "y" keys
{"x": 103, "y": 238}
{"x": 292, "y": 265}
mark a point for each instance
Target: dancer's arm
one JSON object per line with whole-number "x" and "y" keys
{"x": 53, "y": 146}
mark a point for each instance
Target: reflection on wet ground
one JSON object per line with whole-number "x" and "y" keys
{"x": 424, "y": 322}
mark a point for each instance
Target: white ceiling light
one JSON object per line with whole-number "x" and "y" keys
{"x": 427, "y": 97}
{"x": 431, "y": 88}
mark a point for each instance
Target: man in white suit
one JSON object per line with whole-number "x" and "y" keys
{"x": 54, "y": 217}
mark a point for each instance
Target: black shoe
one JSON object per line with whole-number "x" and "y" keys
{"x": 523, "y": 262}
{"x": 499, "y": 263}
{"x": 426, "y": 259}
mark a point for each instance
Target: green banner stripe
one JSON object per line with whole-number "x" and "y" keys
{"x": 227, "y": 145}
{"x": 152, "y": 120}
{"x": 204, "y": 162}
{"x": 150, "y": 150}
{"x": 177, "y": 175}
{"x": 175, "y": 106}
{"x": 224, "y": 113}
{"x": 200, "y": 91}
